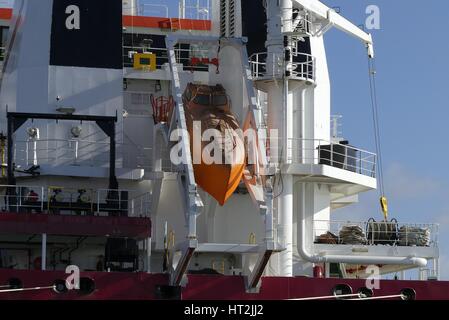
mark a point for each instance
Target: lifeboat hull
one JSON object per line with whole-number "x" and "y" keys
{"x": 220, "y": 178}
{"x": 220, "y": 181}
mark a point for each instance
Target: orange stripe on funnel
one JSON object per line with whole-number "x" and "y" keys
{"x": 146, "y": 22}
{"x": 5, "y": 14}
{"x": 167, "y": 23}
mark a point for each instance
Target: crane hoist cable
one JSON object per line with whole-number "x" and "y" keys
{"x": 377, "y": 136}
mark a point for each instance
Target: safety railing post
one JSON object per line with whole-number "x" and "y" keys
{"x": 19, "y": 203}
{"x": 98, "y": 202}
{"x": 132, "y": 209}
{"x": 332, "y": 154}
{"x": 406, "y": 236}
{"x": 360, "y": 163}
{"x": 42, "y": 199}
{"x": 119, "y": 202}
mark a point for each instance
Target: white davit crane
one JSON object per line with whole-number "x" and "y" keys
{"x": 333, "y": 19}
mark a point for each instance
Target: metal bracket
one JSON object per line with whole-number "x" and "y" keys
{"x": 177, "y": 272}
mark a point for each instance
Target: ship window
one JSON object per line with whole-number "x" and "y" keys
{"x": 220, "y": 100}
{"x": 202, "y": 99}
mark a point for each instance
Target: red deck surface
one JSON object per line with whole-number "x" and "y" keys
{"x": 65, "y": 225}
{"x": 141, "y": 286}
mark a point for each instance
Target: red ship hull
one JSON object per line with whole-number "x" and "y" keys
{"x": 142, "y": 286}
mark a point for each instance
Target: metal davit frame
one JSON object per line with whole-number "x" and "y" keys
{"x": 261, "y": 193}
{"x": 107, "y": 124}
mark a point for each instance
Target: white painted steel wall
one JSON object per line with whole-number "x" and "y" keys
{"x": 30, "y": 84}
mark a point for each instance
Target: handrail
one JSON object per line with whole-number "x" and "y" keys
{"x": 143, "y": 6}
{"x": 336, "y": 126}
{"x": 63, "y": 152}
{"x": 323, "y": 152}
{"x": 162, "y": 54}
{"x": 60, "y": 200}
{"x": 199, "y": 11}
{"x": 267, "y": 66}
{"x": 6, "y": 4}
{"x": 330, "y": 142}
{"x": 304, "y": 234}
{"x": 376, "y": 233}
{"x": 302, "y": 25}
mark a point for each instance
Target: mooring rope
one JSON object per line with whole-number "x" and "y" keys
{"x": 26, "y": 289}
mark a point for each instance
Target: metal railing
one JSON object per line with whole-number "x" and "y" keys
{"x": 302, "y": 25}
{"x": 65, "y": 152}
{"x": 318, "y": 151}
{"x": 153, "y": 10}
{"x": 88, "y": 153}
{"x": 141, "y": 206}
{"x": 69, "y": 201}
{"x": 376, "y": 233}
{"x": 273, "y": 66}
{"x": 336, "y": 131}
{"x": 195, "y": 9}
{"x": 183, "y": 56}
{"x": 196, "y": 12}
{"x": 15, "y": 198}
{"x": 6, "y": 3}
{"x": 123, "y": 203}
{"x": 2, "y": 53}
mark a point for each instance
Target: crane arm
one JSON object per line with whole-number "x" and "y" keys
{"x": 323, "y": 12}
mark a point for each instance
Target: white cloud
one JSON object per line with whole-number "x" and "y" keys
{"x": 403, "y": 183}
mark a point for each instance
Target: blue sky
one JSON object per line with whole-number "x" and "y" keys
{"x": 413, "y": 79}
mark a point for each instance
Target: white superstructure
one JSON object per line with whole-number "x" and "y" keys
{"x": 269, "y": 230}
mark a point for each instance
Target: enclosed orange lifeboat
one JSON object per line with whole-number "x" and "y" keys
{"x": 219, "y": 161}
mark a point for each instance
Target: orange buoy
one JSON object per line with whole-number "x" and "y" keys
{"x": 219, "y": 174}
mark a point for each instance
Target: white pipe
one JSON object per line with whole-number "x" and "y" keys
{"x": 327, "y": 271}
{"x": 367, "y": 260}
{"x": 44, "y": 252}
{"x": 149, "y": 255}
{"x": 76, "y": 150}
{"x": 303, "y": 126}
{"x": 286, "y": 198}
{"x": 27, "y": 289}
{"x": 286, "y": 217}
{"x": 358, "y": 295}
{"x": 182, "y": 9}
{"x": 286, "y": 7}
{"x": 34, "y": 152}
{"x": 403, "y": 297}
{"x": 437, "y": 268}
